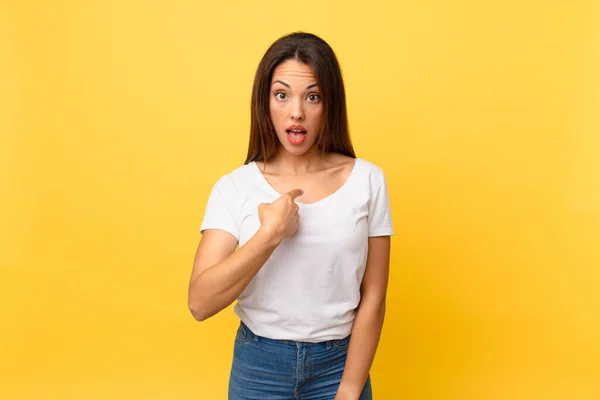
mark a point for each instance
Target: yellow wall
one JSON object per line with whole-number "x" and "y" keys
{"x": 116, "y": 117}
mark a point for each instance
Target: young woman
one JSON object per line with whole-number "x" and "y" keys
{"x": 312, "y": 225}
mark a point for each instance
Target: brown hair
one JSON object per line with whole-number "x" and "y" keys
{"x": 316, "y": 53}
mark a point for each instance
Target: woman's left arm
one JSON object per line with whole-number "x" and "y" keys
{"x": 368, "y": 320}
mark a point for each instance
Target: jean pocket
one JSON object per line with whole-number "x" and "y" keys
{"x": 342, "y": 343}
{"x": 242, "y": 334}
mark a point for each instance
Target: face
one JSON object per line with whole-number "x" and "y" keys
{"x": 295, "y": 105}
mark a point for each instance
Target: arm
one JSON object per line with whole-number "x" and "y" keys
{"x": 220, "y": 273}
{"x": 368, "y": 321}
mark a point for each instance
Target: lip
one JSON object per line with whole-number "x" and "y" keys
{"x": 296, "y": 128}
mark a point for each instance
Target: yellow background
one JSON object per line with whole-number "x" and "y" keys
{"x": 116, "y": 117}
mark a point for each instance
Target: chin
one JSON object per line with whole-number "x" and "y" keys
{"x": 296, "y": 150}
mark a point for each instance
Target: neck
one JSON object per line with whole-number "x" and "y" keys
{"x": 290, "y": 164}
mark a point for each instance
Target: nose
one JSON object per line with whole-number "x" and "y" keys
{"x": 297, "y": 110}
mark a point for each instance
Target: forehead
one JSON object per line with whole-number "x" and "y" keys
{"x": 291, "y": 70}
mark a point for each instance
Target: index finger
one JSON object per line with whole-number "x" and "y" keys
{"x": 295, "y": 193}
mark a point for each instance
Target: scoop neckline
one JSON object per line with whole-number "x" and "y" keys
{"x": 325, "y": 199}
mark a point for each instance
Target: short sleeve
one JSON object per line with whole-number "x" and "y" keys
{"x": 220, "y": 212}
{"x": 380, "y": 216}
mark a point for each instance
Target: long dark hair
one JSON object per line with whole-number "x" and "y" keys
{"x": 316, "y": 53}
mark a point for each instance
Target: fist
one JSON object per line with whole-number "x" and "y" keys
{"x": 280, "y": 218}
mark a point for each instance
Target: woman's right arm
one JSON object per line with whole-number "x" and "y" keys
{"x": 220, "y": 273}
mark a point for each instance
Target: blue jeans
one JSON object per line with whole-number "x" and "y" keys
{"x": 267, "y": 369}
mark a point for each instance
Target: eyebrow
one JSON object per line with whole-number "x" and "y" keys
{"x": 289, "y": 87}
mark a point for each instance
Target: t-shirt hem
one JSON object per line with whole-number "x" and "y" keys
{"x": 385, "y": 231}
{"x": 230, "y": 231}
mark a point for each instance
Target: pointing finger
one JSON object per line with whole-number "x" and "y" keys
{"x": 295, "y": 193}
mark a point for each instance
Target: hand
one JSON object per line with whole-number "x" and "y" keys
{"x": 280, "y": 218}
{"x": 344, "y": 396}
{"x": 346, "y": 393}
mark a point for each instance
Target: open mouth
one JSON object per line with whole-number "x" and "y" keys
{"x": 296, "y": 132}
{"x": 296, "y": 136}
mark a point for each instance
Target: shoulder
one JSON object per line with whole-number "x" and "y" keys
{"x": 371, "y": 171}
{"x": 369, "y": 166}
{"x": 237, "y": 180}
{"x": 242, "y": 173}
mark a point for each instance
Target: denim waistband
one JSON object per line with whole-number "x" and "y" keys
{"x": 294, "y": 343}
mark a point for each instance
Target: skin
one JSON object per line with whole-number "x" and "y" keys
{"x": 302, "y": 175}
{"x": 295, "y": 100}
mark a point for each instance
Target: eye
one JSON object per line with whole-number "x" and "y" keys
{"x": 280, "y": 95}
{"x": 314, "y": 98}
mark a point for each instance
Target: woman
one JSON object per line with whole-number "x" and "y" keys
{"x": 313, "y": 225}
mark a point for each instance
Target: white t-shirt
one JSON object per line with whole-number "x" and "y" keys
{"x": 309, "y": 289}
